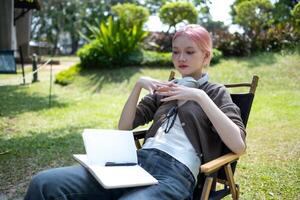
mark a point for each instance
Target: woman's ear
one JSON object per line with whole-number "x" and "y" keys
{"x": 206, "y": 59}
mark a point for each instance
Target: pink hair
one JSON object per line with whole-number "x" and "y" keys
{"x": 199, "y": 35}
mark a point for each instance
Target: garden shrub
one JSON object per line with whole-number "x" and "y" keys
{"x": 153, "y": 58}
{"x": 158, "y": 41}
{"x": 232, "y": 44}
{"x": 217, "y": 55}
{"x": 113, "y": 46}
{"x": 90, "y": 55}
{"x": 67, "y": 76}
{"x": 149, "y": 58}
{"x": 276, "y": 39}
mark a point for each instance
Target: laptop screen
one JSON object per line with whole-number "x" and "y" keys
{"x": 104, "y": 146}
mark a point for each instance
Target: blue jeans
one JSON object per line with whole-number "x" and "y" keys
{"x": 175, "y": 182}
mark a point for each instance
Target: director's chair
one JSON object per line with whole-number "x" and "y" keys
{"x": 220, "y": 170}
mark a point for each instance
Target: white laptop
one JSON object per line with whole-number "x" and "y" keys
{"x": 112, "y": 159}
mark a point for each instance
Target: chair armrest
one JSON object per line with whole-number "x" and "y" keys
{"x": 217, "y": 163}
{"x": 140, "y": 134}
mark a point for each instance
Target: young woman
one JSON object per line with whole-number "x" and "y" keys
{"x": 192, "y": 119}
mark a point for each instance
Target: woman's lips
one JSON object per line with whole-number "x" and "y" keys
{"x": 183, "y": 66}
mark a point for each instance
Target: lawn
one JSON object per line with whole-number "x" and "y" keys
{"x": 34, "y": 136}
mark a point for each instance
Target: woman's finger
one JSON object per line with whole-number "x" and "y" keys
{"x": 165, "y": 93}
{"x": 170, "y": 98}
{"x": 151, "y": 90}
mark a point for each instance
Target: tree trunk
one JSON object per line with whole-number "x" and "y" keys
{"x": 55, "y": 43}
{"x": 168, "y": 29}
{"x": 75, "y": 41}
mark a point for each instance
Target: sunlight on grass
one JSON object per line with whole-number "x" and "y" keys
{"x": 39, "y": 137}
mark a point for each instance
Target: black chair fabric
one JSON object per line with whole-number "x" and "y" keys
{"x": 244, "y": 102}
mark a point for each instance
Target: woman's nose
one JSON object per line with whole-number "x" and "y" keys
{"x": 182, "y": 57}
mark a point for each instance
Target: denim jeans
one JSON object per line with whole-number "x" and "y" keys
{"x": 75, "y": 182}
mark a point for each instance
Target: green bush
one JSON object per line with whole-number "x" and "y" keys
{"x": 158, "y": 41}
{"x": 217, "y": 55}
{"x": 276, "y": 38}
{"x": 113, "y": 46}
{"x": 232, "y": 44}
{"x": 90, "y": 55}
{"x": 153, "y": 58}
{"x": 67, "y": 76}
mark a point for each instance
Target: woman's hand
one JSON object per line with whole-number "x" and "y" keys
{"x": 129, "y": 110}
{"x": 150, "y": 84}
{"x": 172, "y": 91}
{"x": 226, "y": 128}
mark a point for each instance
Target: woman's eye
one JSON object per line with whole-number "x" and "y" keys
{"x": 190, "y": 52}
{"x": 175, "y": 52}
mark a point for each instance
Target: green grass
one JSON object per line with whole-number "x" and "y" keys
{"x": 39, "y": 137}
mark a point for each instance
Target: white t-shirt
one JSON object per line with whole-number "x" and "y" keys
{"x": 176, "y": 144}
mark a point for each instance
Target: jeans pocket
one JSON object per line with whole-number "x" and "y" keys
{"x": 186, "y": 176}
{"x": 142, "y": 156}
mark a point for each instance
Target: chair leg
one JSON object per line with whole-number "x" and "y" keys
{"x": 138, "y": 144}
{"x": 237, "y": 191}
{"x": 232, "y": 186}
{"x": 206, "y": 188}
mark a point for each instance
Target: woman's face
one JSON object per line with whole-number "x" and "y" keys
{"x": 187, "y": 57}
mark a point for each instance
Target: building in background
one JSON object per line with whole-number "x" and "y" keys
{"x": 15, "y": 21}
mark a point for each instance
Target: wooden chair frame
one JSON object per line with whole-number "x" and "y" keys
{"x": 215, "y": 165}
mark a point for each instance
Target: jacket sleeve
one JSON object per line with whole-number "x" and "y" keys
{"x": 145, "y": 111}
{"x": 223, "y": 100}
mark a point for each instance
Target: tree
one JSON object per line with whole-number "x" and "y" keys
{"x": 233, "y": 9}
{"x": 47, "y": 23}
{"x": 204, "y": 14}
{"x": 285, "y": 22}
{"x": 253, "y": 16}
{"x": 73, "y": 21}
{"x": 296, "y": 14}
{"x": 130, "y": 14}
{"x": 282, "y": 11}
{"x": 63, "y": 16}
{"x": 154, "y": 5}
{"x": 270, "y": 27}
{"x": 70, "y": 18}
{"x": 215, "y": 26}
{"x": 176, "y": 12}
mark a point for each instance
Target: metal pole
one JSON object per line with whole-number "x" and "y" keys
{"x": 50, "y": 89}
{"x": 34, "y": 68}
{"x": 22, "y": 64}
